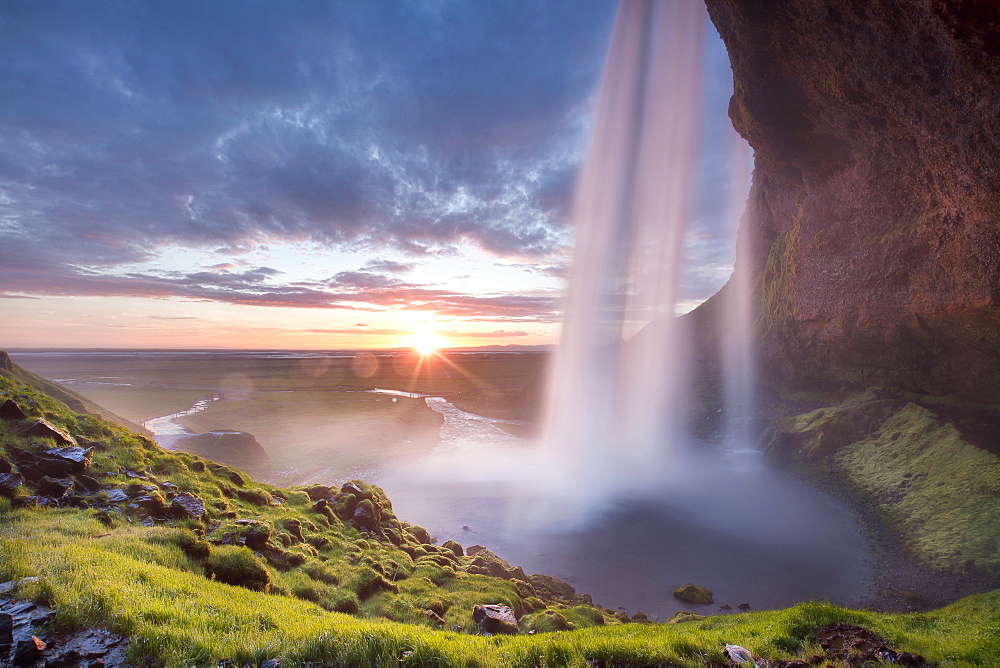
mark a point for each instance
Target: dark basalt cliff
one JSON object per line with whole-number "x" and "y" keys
{"x": 874, "y": 215}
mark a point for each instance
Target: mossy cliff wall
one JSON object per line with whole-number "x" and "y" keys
{"x": 874, "y": 215}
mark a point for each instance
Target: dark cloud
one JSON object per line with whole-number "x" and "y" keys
{"x": 129, "y": 126}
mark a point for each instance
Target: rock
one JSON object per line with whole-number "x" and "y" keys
{"x": 11, "y": 411}
{"x": 684, "y": 616}
{"x": 29, "y": 651}
{"x": 744, "y": 606}
{"x": 6, "y": 632}
{"x": 42, "y": 428}
{"x": 873, "y": 222}
{"x": 294, "y": 527}
{"x": 55, "y": 468}
{"x": 185, "y": 505}
{"x": 495, "y": 618}
{"x": 77, "y": 458}
{"x": 352, "y": 487}
{"x": 364, "y": 517}
{"x": 152, "y": 504}
{"x": 9, "y": 483}
{"x": 88, "y": 483}
{"x": 435, "y": 618}
{"x": 473, "y": 550}
{"x": 317, "y": 492}
{"x": 5, "y": 466}
{"x": 725, "y": 606}
{"x": 456, "y": 548}
{"x": 270, "y": 663}
{"x": 550, "y": 589}
{"x": 256, "y": 536}
{"x": 236, "y": 448}
{"x": 692, "y": 593}
{"x": 116, "y": 495}
{"x": 54, "y": 487}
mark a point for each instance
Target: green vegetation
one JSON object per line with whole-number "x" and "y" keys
{"x": 267, "y": 572}
{"x": 916, "y": 470}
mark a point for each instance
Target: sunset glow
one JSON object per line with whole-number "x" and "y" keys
{"x": 427, "y": 343}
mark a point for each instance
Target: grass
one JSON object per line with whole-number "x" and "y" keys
{"x": 920, "y": 477}
{"x": 154, "y": 584}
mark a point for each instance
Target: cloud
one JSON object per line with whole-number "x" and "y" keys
{"x": 131, "y": 127}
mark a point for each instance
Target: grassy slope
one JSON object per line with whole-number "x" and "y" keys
{"x": 918, "y": 474}
{"x": 150, "y": 583}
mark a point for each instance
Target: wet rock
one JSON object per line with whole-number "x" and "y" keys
{"x": 496, "y": 618}
{"x": 11, "y": 411}
{"x": 42, "y": 428}
{"x": 185, "y": 505}
{"x": 270, "y": 663}
{"x": 54, "y": 487}
{"x": 692, "y": 593}
{"x": 116, "y": 495}
{"x": 88, "y": 483}
{"x": 55, "y": 468}
{"x": 6, "y": 632}
{"x": 78, "y": 458}
{"x": 725, "y": 606}
{"x": 29, "y": 651}
{"x": 455, "y": 547}
{"x": 9, "y": 483}
{"x": 744, "y": 606}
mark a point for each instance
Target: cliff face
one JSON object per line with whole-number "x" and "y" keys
{"x": 875, "y": 209}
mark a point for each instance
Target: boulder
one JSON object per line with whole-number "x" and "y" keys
{"x": 9, "y": 483}
{"x": 496, "y": 618}
{"x": 549, "y": 588}
{"x": 364, "y": 517}
{"x": 54, "y": 487}
{"x": 236, "y": 448}
{"x": 88, "y": 483}
{"x": 29, "y": 651}
{"x": 455, "y": 547}
{"x": 42, "y": 428}
{"x": 11, "y": 411}
{"x": 473, "y": 550}
{"x": 55, "y": 468}
{"x": 317, "y": 492}
{"x": 116, "y": 495}
{"x": 256, "y": 535}
{"x": 185, "y": 505}
{"x": 692, "y": 593}
{"x": 77, "y": 458}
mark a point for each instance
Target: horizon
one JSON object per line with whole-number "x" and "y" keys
{"x": 327, "y": 185}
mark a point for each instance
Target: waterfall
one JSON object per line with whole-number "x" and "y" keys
{"x": 614, "y": 411}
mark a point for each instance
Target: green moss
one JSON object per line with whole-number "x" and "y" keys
{"x": 914, "y": 472}
{"x": 238, "y": 566}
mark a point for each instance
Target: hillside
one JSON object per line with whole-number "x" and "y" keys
{"x": 176, "y": 560}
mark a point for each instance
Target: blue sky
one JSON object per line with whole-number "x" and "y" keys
{"x": 304, "y": 174}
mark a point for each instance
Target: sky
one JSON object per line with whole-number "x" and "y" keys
{"x": 316, "y": 175}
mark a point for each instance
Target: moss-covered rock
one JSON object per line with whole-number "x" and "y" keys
{"x": 238, "y": 566}
{"x": 692, "y": 593}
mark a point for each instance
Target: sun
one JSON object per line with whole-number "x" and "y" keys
{"x": 426, "y": 343}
